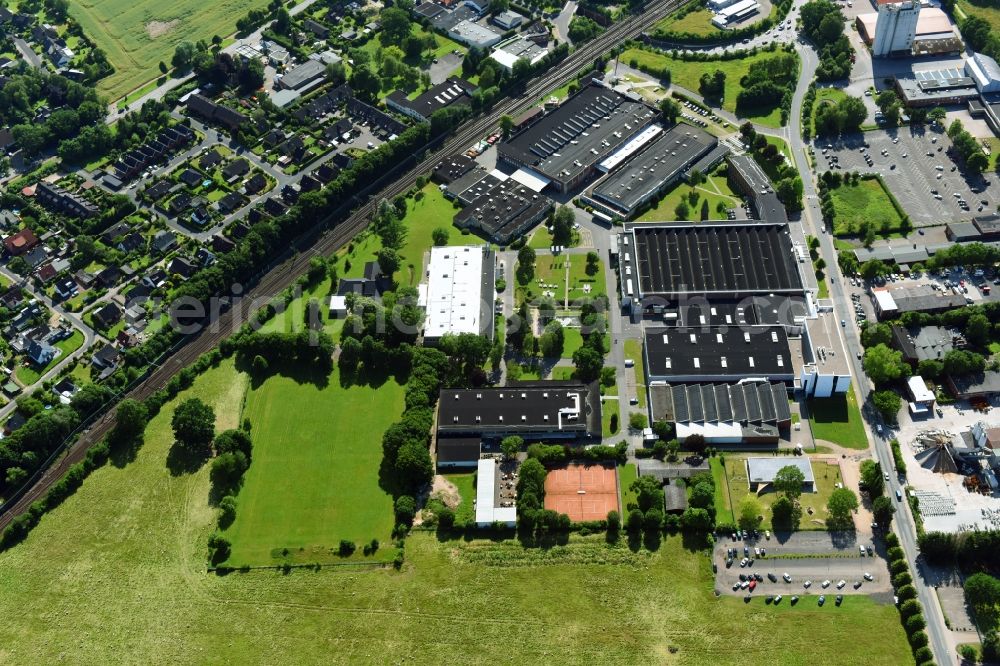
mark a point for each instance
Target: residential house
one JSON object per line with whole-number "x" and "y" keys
{"x": 316, "y": 28}
{"x": 204, "y": 257}
{"x": 155, "y": 278}
{"x": 46, "y": 273}
{"x": 200, "y": 216}
{"x": 275, "y": 207}
{"x": 190, "y": 177}
{"x": 107, "y": 316}
{"x": 41, "y": 353}
{"x": 56, "y": 198}
{"x": 181, "y": 266}
{"x": 222, "y": 244}
{"x": 164, "y": 241}
{"x": 109, "y": 276}
{"x": 230, "y": 202}
{"x": 201, "y": 106}
{"x": 106, "y": 359}
{"x": 36, "y": 257}
{"x": 210, "y": 160}
{"x": 254, "y": 184}
{"x": 21, "y": 242}
{"x": 131, "y": 242}
{"x": 236, "y": 169}
{"x": 158, "y": 190}
{"x": 65, "y": 288}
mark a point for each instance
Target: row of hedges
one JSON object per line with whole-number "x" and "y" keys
{"x": 910, "y": 611}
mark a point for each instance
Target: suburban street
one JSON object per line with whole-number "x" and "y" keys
{"x": 89, "y": 337}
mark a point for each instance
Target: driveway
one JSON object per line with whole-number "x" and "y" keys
{"x": 444, "y": 67}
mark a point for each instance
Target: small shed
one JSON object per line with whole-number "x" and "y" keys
{"x": 675, "y": 498}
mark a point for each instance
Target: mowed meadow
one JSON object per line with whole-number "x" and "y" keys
{"x": 117, "y": 574}
{"x": 137, "y": 34}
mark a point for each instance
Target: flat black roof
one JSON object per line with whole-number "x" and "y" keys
{"x": 747, "y": 403}
{"x": 710, "y": 258}
{"x": 452, "y": 91}
{"x": 704, "y": 353}
{"x": 505, "y": 205}
{"x": 756, "y": 310}
{"x": 582, "y": 131}
{"x": 669, "y": 156}
{"x": 452, "y": 168}
{"x": 540, "y": 409}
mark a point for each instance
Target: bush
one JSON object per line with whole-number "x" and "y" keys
{"x": 906, "y": 593}
{"x": 918, "y": 640}
{"x": 898, "y": 567}
{"x": 891, "y": 540}
{"x": 346, "y": 548}
{"x": 896, "y": 553}
{"x": 915, "y": 623}
{"x": 967, "y": 652}
{"x": 902, "y": 580}
{"x": 227, "y": 511}
{"x": 614, "y": 521}
{"x": 909, "y": 608}
{"x": 925, "y": 656}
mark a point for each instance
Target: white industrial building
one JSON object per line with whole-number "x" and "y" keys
{"x": 895, "y": 27}
{"x": 487, "y": 511}
{"x": 474, "y": 34}
{"x": 826, "y": 371}
{"x": 459, "y": 292}
{"x": 984, "y": 71}
{"x": 716, "y": 5}
{"x": 923, "y": 397}
{"x": 735, "y": 13}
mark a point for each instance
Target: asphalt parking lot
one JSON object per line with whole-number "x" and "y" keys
{"x": 914, "y": 179}
{"x": 801, "y": 556}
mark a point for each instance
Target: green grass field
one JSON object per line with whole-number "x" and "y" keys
{"x": 552, "y": 270}
{"x": 119, "y": 569}
{"x": 984, "y": 9}
{"x": 698, "y": 22}
{"x": 627, "y": 474}
{"x": 609, "y": 409}
{"x": 466, "y": 484}
{"x": 715, "y": 190}
{"x": 734, "y": 489}
{"x": 314, "y": 478}
{"x": 838, "y": 420}
{"x": 136, "y": 36}
{"x": 866, "y": 201}
{"x": 723, "y": 495}
{"x": 686, "y": 74}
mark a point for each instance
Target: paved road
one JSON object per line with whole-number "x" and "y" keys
{"x": 812, "y": 220}
{"x": 89, "y": 337}
{"x": 562, "y": 21}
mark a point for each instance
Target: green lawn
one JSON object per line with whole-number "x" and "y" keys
{"x": 813, "y": 505}
{"x": 129, "y": 551}
{"x": 633, "y": 350}
{"x": 136, "y": 36}
{"x": 865, "y": 202}
{"x": 715, "y": 190}
{"x": 552, "y": 270}
{"x": 425, "y": 213}
{"x": 466, "y": 484}
{"x": 723, "y": 498}
{"x": 686, "y": 74}
{"x": 698, "y": 22}
{"x": 314, "y": 478}
{"x": 627, "y": 474}
{"x": 428, "y": 211}
{"x": 838, "y": 420}
{"x": 984, "y": 9}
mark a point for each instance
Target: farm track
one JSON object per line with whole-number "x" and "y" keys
{"x": 322, "y": 241}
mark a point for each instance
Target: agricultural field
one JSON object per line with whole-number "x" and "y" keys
{"x": 984, "y": 9}
{"x": 687, "y": 75}
{"x": 865, "y": 202}
{"x": 129, "y": 552}
{"x": 136, "y": 36}
{"x": 734, "y": 488}
{"x": 838, "y": 420}
{"x": 313, "y": 481}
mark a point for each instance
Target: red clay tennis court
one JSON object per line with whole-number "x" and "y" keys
{"x": 582, "y": 491}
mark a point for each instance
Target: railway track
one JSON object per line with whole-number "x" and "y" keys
{"x": 285, "y": 273}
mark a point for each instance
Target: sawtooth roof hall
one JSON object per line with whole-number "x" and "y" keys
{"x": 720, "y": 259}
